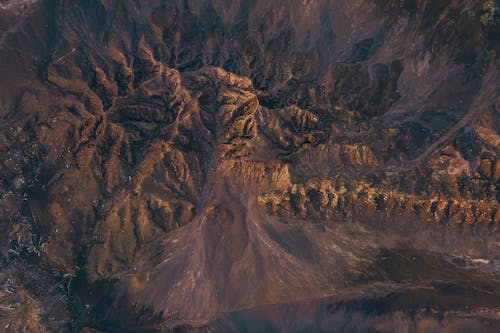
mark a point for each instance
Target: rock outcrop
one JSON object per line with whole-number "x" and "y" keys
{"x": 337, "y": 199}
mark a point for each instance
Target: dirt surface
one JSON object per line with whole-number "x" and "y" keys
{"x": 249, "y": 166}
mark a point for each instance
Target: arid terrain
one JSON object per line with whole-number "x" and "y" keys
{"x": 249, "y": 166}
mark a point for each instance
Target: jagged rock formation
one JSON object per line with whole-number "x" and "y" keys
{"x": 327, "y": 199}
{"x": 193, "y": 158}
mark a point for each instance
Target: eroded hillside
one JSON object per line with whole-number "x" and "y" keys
{"x": 167, "y": 162}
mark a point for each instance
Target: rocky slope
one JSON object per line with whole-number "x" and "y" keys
{"x": 164, "y": 162}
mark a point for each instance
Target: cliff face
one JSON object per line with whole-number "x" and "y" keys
{"x": 191, "y": 157}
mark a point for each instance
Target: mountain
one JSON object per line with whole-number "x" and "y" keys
{"x": 249, "y": 166}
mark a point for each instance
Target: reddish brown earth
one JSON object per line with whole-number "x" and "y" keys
{"x": 249, "y": 166}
